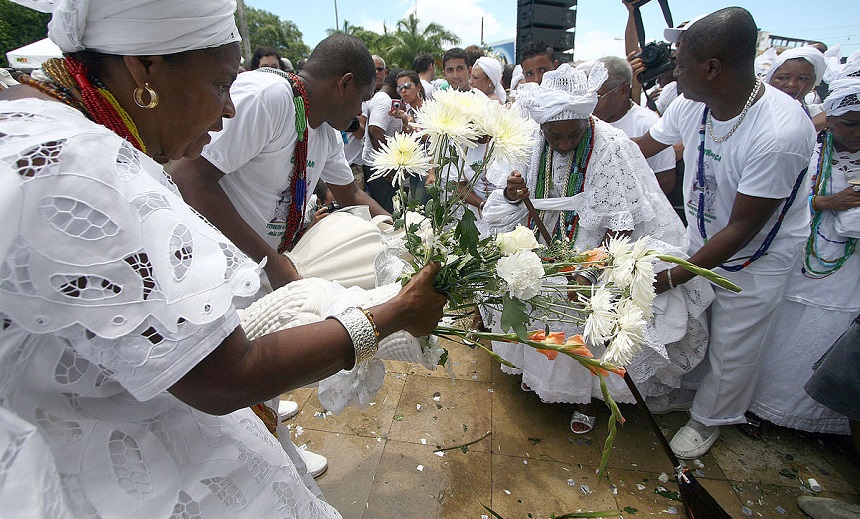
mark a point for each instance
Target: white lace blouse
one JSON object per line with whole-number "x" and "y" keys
{"x": 112, "y": 289}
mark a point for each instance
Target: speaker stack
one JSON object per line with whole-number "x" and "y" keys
{"x": 551, "y": 21}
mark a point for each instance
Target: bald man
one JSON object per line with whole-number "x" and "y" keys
{"x": 741, "y": 174}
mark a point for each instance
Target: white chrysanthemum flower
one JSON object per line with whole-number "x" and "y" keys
{"x": 523, "y": 272}
{"x": 510, "y": 133}
{"x": 629, "y": 334}
{"x": 623, "y": 264}
{"x": 521, "y": 238}
{"x": 642, "y": 286}
{"x": 402, "y": 155}
{"x": 446, "y": 125}
{"x": 601, "y": 316}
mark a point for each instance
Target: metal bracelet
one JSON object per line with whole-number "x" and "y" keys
{"x": 361, "y": 331}
{"x": 590, "y": 275}
{"x": 669, "y": 278}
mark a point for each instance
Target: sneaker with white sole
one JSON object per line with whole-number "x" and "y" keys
{"x": 316, "y": 463}
{"x": 287, "y": 409}
{"x": 688, "y": 443}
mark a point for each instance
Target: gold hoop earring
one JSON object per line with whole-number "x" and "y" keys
{"x": 138, "y": 97}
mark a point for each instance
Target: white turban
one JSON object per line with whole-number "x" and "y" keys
{"x": 809, "y": 53}
{"x": 764, "y": 62}
{"x": 837, "y": 70}
{"x": 517, "y": 77}
{"x": 139, "y": 27}
{"x": 564, "y": 94}
{"x": 493, "y": 69}
{"x": 843, "y": 97}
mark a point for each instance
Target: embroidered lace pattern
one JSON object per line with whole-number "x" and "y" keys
{"x": 111, "y": 289}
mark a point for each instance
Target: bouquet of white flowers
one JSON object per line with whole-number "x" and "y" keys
{"x": 511, "y": 273}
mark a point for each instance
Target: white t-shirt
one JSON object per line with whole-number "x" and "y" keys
{"x": 377, "y": 115}
{"x": 763, "y": 158}
{"x": 667, "y": 94}
{"x": 428, "y": 89}
{"x": 255, "y": 153}
{"x": 636, "y": 123}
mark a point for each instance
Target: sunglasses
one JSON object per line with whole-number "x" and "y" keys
{"x": 404, "y": 86}
{"x": 380, "y": 69}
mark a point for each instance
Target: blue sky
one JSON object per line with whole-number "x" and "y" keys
{"x": 600, "y": 23}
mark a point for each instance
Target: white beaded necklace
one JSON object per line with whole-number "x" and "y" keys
{"x": 740, "y": 117}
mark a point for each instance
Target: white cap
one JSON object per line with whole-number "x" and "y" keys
{"x": 672, "y": 34}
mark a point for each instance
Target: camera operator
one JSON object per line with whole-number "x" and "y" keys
{"x": 321, "y": 204}
{"x": 652, "y": 64}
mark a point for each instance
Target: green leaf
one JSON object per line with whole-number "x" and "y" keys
{"x": 514, "y": 316}
{"x": 467, "y": 233}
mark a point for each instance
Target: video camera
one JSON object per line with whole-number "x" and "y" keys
{"x": 656, "y": 56}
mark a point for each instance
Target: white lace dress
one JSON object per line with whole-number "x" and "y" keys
{"x": 112, "y": 289}
{"x": 813, "y": 313}
{"x": 620, "y": 194}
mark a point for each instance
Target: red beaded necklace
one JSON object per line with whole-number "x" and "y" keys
{"x": 96, "y": 102}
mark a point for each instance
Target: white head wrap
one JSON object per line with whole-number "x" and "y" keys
{"x": 139, "y": 27}
{"x": 843, "y": 97}
{"x": 764, "y": 62}
{"x": 516, "y": 77}
{"x": 837, "y": 70}
{"x": 564, "y": 93}
{"x": 493, "y": 69}
{"x": 807, "y": 52}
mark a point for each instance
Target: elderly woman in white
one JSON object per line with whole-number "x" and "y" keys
{"x": 589, "y": 182}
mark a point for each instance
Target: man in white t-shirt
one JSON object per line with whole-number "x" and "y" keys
{"x": 424, "y": 65}
{"x": 242, "y": 181}
{"x": 737, "y": 185}
{"x": 615, "y": 107}
{"x": 379, "y": 126}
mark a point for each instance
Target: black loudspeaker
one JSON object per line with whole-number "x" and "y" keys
{"x": 551, "y": 21}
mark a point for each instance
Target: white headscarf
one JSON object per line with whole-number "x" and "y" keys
{"x": 493, "y": 69}
{"x": 516, "y": 77}
{"x": 139, "y": 27}
{"x": 764, "y": 62}
{"x": 843, "y": 97}
{"x": 809, "y": 53}
{"x": 564, "y": 94}
{"x": 837, "y": 70}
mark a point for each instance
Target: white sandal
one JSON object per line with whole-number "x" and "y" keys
{"x": 582, "y": 419}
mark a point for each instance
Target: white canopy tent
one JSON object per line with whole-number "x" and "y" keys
{"x": 32, "y": 55}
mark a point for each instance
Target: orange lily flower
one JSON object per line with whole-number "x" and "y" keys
{"x": 553, "y": 338}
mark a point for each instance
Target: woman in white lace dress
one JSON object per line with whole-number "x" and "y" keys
{"x": 821, "y": 297}
{"x": 590, "y": 182}
{"x": 125, "y": 378}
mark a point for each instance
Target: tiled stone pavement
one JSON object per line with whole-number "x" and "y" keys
{"x": 382, "y": 462}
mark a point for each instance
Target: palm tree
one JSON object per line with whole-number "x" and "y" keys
{"x": 409, "y": 39}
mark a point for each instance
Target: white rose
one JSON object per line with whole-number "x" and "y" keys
{"x": 520, "y": 239}
{"x": 523, "y": 272}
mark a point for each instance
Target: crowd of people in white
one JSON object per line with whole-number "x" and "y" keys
{"x": 125, "y": 374}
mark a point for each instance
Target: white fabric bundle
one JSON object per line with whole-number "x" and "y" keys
{"x": 493, "y": 69}
{"x": 807, "y": 52}
{"x": 138, "y": 27}
{"x": 837, "y": 70}
{"x": 843, "y": 97}
{"x": 517, "y": 77}
{"x": 564, "y": 94}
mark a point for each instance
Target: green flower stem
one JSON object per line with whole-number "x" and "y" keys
{"x": 512, "y": 337}
{"x": 710, "y": 275}
{"x": 438, "y": 449}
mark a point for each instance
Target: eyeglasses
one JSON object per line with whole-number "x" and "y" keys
{"x": 404, "y": 86}
{"x": 380, "y": 69}
{"x": 601, "y": 96}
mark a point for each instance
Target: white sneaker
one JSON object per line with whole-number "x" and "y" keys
{"x": 287, "y": 409}
{"x": 688, "y": 444}
{"x": 316, "y": 464}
